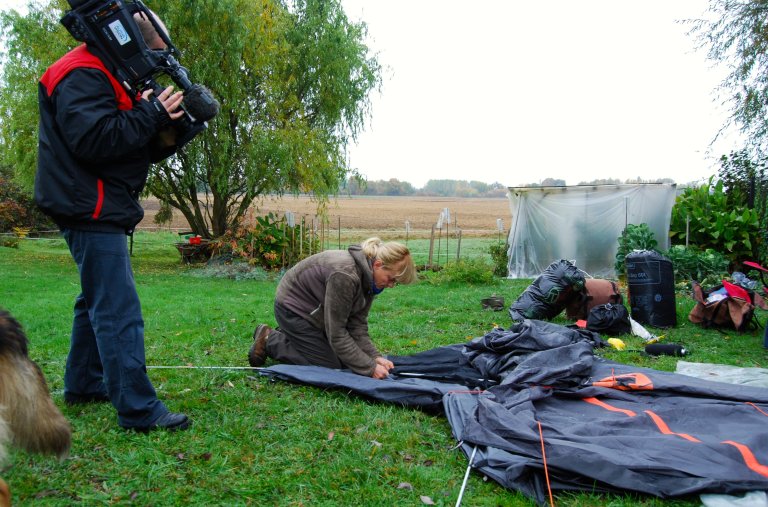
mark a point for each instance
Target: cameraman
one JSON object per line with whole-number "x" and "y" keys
{"x": 96, "y": 144}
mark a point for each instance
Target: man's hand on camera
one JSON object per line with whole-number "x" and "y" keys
{"x": 169, "y": 100}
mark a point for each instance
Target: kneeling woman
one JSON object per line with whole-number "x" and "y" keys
{"x": 322, "y": 306}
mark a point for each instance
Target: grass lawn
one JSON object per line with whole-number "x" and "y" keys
{"x": 257, "y": 442}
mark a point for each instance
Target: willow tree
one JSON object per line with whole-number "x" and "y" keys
{"x": 734, "y": 34}
{"x": 293, "y": 80}
{"x": 32, "y": 43}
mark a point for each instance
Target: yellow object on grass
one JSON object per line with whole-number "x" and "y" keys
{"x": 617, "y": 344}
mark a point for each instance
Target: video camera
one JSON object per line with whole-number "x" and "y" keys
{"x": 109, "y": 26}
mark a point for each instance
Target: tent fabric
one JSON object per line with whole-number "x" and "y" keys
{"x": 669, "y": 436}
{"x": 406, "y": 391}
{"x": 581, "y": 223}
{"x": 604, "y": 426}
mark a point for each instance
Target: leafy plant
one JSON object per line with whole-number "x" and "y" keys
{"x": 694, "y": 264}
{"x": 711, "y": 221}
{"x": 270, "y": 243}
{"x": 633, "y": 237}
{"x": 746, "y": 184}
{"x": 500, "y": 258}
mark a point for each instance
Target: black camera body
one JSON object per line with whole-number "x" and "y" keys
{"x": 108, "y": 26}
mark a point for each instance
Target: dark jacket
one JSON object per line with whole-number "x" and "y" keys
{"x": 95, "y": 145}
{"x": 332, "y": 290}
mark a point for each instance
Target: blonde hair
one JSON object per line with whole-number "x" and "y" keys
{"x": 390, "y": 254}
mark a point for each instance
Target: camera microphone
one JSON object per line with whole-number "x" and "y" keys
{"x": 665, "y": 349}
{"x": 200, "y": 104}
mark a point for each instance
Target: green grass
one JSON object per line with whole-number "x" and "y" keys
{"x": 257, "y": 442}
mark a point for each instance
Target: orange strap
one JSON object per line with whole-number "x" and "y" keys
{"x": 546, "y": 470}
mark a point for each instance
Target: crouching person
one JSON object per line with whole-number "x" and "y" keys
{"x": 322, "y": 305}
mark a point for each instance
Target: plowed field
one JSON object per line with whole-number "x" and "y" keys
{"x": 475, "y": 217}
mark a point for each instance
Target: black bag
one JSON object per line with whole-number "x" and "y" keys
{"x": 610, "y": 319}
{"x": 547, "y": 296}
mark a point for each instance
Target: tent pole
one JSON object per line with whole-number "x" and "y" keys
{"x": 466, "y": 477}
{"x": 183, "y": 367}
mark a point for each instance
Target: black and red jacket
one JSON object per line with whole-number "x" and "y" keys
{"x": 95, "y": 145}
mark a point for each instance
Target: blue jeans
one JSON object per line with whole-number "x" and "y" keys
{"x": 106, "y": 353}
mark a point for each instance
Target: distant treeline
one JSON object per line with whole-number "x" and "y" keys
{"x": 463, "y": 188}
{"x": 438, "y": 188}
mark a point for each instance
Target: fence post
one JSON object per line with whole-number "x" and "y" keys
{"x": 407, "y": 230}
{"x": 458, "y": 244}
{"x": 431, "y": 246}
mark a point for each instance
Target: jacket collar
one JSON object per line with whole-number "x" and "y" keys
{"x": 366, "y": 267}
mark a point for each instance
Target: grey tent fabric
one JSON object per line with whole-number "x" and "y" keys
{"x": 407, "y": 391}
{"x": 673, "y": 436}
{"x": 604, "y": 426}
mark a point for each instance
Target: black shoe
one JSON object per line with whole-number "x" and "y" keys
{"x": 170, "y": 421}
{"x": 257, "y": 355}
{"x": 84, "y": 399}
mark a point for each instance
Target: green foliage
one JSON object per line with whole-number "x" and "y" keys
{"x": 33, "y": 42}
{"x": 293, "y": 80}
{"x": 734, "y": 36}
{"x": 633, "y": 237}
{"x": 164, "y": 215}
{"x": 715, "y": 222}
{"x": 693, "y": 264}
{"x": 471, "y": 271}
{"x": 500, "y": 258}
{"x": 17, "y": 209}
{"x": 270, "y": 243}
{"x": 746, "y": 184}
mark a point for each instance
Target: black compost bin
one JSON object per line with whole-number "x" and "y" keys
{"x": 651, "y": 287}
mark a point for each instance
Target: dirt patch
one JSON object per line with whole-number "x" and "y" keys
{"x": 475, "y": 217}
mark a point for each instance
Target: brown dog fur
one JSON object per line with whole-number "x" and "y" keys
{"x": 29, "y": 419}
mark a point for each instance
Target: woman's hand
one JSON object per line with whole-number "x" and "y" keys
{"x": 380, "y": 372}
{"x": 386, "y": 363}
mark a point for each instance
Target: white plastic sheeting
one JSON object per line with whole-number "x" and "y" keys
{"x": 582, "y": 224}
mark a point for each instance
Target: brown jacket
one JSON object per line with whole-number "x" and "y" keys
{"x": 332, "y": 290}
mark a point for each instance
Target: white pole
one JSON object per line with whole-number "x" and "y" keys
{"x": 466, "y": 477}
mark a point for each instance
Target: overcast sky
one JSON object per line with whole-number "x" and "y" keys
{"x": 515, "y": 91}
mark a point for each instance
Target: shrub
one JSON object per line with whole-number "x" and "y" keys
{"x": 500, "y": 257}
{"x": 469, "y": 271}
{"x": 270, "y": 243}
{"x": 18, "y": 210}
{"x": 633, "y": 237}
{"x": 705, "y": 266}
{"x": 715, "y": 223}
